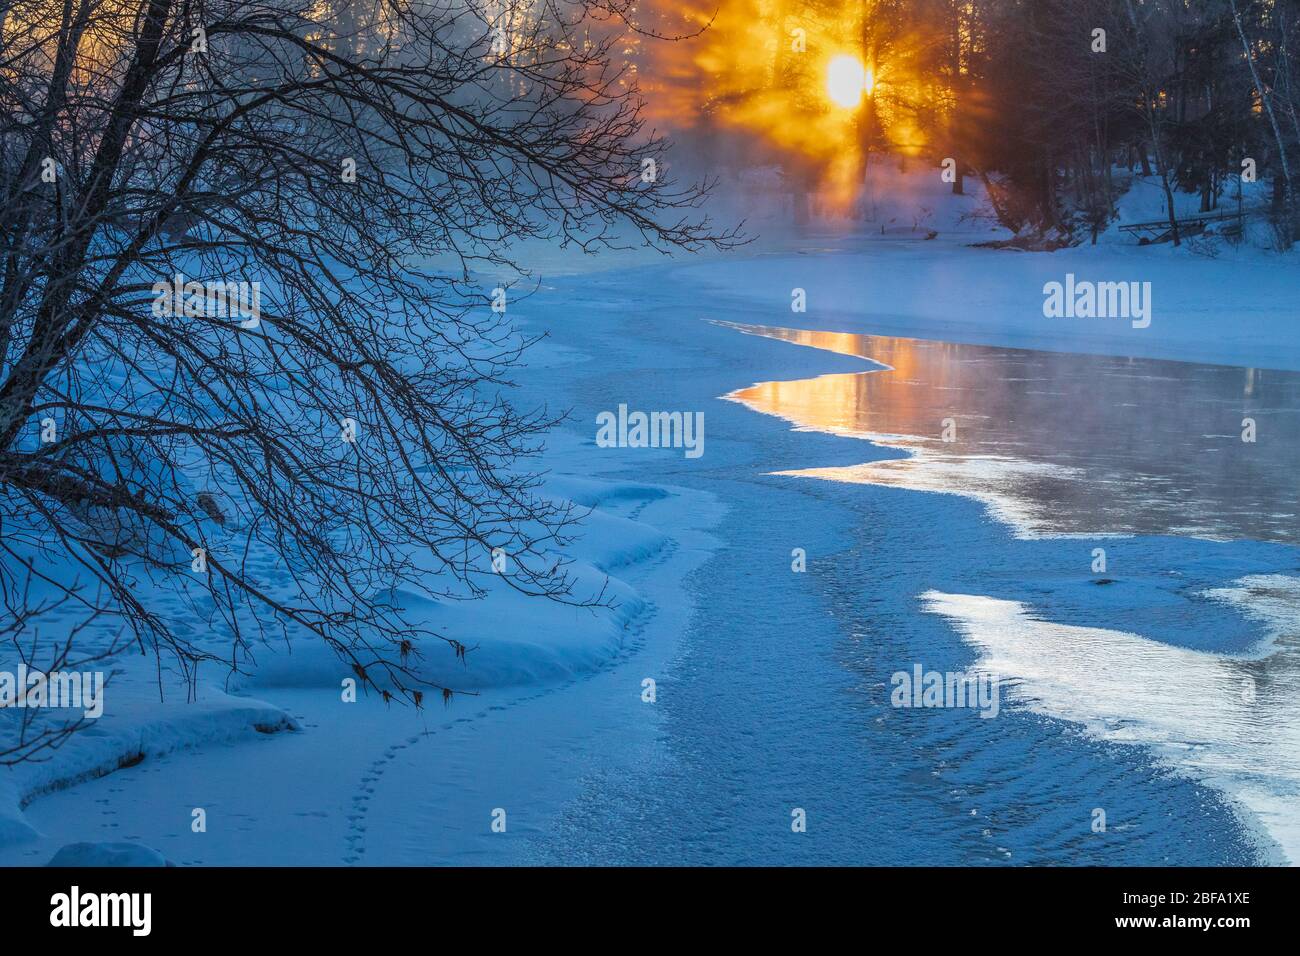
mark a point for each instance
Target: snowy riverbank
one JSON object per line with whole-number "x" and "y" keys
{"x": 769, "y": 683}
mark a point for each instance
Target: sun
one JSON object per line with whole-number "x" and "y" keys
{"x": 846, "y": 80}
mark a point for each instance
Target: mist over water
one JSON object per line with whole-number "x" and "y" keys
{"x": 1060, "y": 443}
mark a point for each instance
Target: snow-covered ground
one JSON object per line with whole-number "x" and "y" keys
{"x": 770, "y": 687}
{"x": 291, "y": 782}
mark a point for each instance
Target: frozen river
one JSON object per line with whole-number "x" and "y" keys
{"x": 1085, "y": 446}
{"x": 1124, "y": 690}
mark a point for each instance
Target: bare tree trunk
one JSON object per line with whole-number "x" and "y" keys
{"x": 1288, "y": 196}
{"x": 1163, "y": 171}
{"x": 1151, "y": 117}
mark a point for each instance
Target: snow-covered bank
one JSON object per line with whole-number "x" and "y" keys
{"x": 911, "y": 265}
{"x": 1237, "y": 309}
{"x": 514, "y": 639}
{"x": 636, "y": 544}
{"x": 137, "y": 726}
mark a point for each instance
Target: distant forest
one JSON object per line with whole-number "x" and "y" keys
{"x": 1049, "y": 95}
